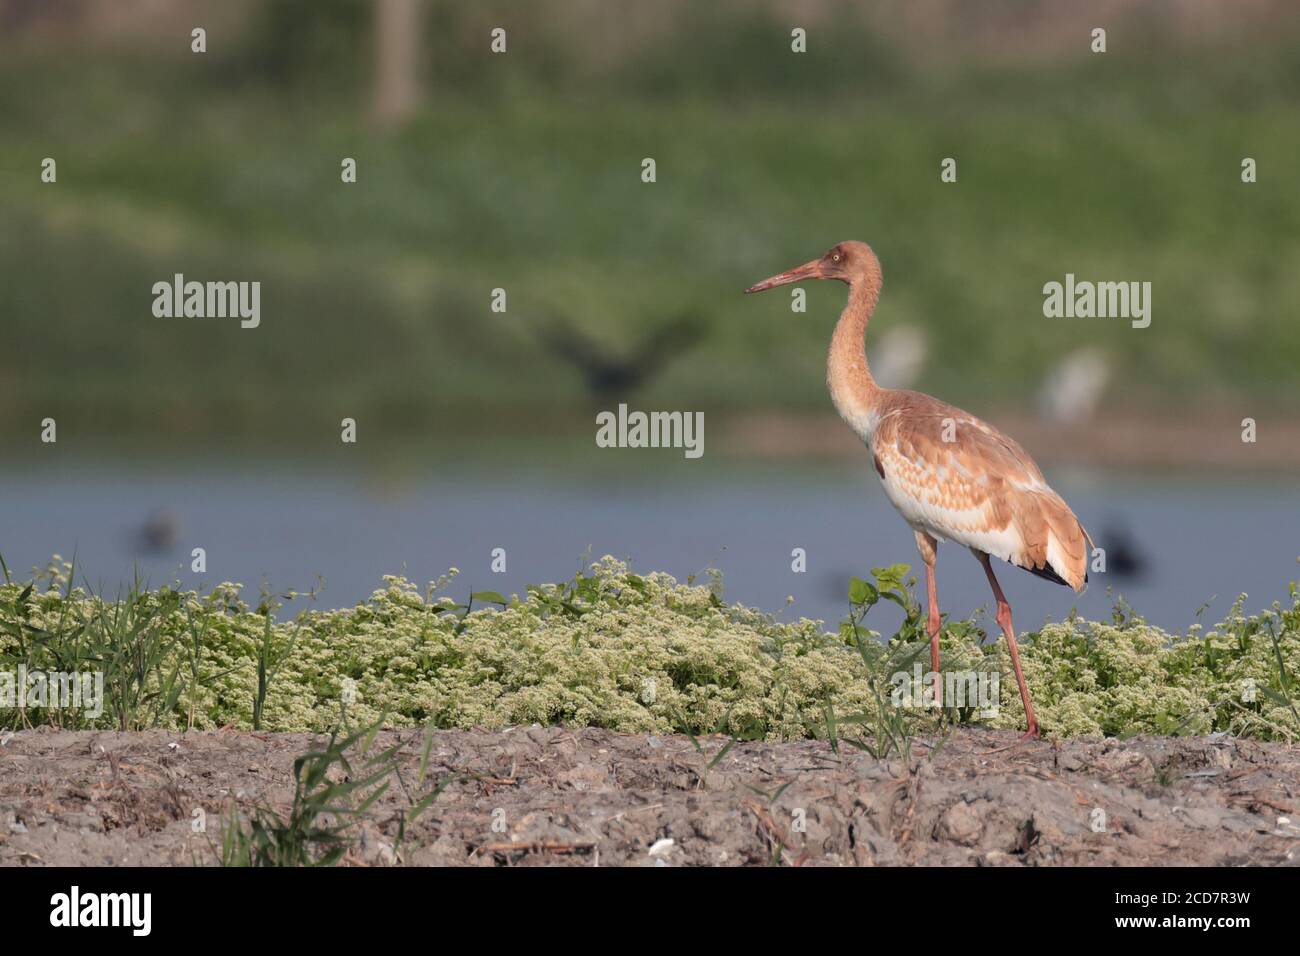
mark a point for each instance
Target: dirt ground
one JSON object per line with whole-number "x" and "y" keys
{"x": 537, "y": 796}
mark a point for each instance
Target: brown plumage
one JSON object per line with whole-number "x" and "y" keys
{"x": 950, "y": 475}
{"x": 978, "y": 488}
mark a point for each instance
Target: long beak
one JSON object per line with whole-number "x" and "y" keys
{"x": 809, "y": 270}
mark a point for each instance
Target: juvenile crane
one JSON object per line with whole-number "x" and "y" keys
{"x": 951, "y": 476}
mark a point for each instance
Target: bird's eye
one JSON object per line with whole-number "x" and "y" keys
{"x": 835, "y": 258}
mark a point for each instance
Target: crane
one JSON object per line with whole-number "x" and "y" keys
{"x": 950, "y": 475}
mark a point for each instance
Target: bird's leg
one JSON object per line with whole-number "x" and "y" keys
{"x": 1004, "y": 622}
{"x": 929, "y": 549}
{"x": 933, "y": 626}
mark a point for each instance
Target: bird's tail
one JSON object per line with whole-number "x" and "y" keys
{"x": 1059, "y": 546}
{"x": 1069, "y": 545}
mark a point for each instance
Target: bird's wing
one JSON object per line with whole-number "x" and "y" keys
{"x": 964, "y": 480}
{"x": 568, "y": 342}
{"x": 663, "y": 344}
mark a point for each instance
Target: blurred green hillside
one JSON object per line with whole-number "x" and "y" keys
{"x": 522, "y": 171}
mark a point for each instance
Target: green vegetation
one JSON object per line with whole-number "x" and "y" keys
{"x": 522, "y": 171}
{"x": 331, "y": 797}
{"x": 636, "y": 653}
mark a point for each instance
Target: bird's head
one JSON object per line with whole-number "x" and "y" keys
{"x": 848, "y": 262}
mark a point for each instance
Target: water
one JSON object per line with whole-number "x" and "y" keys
{"x": 286, "y": 524}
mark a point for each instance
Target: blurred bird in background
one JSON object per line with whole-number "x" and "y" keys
{"x": 607, "y": 375}
{"x": 159, "y": 532}
{"x": 1073, "y": 389}
{"x": 900, "y": 355}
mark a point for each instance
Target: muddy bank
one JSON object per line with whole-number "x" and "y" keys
{"x": 538, "y": 796}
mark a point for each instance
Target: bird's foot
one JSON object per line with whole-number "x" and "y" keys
{"x": 1030, "y": 734}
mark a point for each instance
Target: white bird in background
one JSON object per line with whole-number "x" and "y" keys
{"x": 1074, "y": 387}
{"x": 900, "y": 355}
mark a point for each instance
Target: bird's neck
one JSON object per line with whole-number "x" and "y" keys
{"x": 853, "y": 390}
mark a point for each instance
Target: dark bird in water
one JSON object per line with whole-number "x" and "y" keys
{"x": 1124, "y": 557}
{"x": 607, "y": 376}
{"x": 159, "y": 533}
